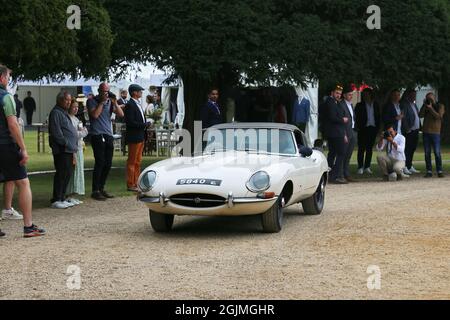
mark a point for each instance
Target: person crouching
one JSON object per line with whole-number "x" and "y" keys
{"x": 393, "y": 162}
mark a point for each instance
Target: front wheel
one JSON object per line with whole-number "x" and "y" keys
{"x": 272, "y": 219}
{"x": 161, "y": 222}
{"x": 314, "y": 204}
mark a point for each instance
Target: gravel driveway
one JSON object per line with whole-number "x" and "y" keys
{"x": 402, "y": 228}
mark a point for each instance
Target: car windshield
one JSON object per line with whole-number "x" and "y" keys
{"x": 269, "y": 141}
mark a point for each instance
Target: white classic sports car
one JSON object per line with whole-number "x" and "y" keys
{"x": 245, "y": 169}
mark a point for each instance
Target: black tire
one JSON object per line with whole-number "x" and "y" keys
{"x": 272, "y": 219}
{"x": 314, "y": 204}
{"x": 161, "y": 222}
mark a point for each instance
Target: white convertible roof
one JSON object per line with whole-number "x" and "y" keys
{"x": 256, "y": 125}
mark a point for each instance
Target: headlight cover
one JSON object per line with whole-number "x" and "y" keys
{"x": 147, "y": 181}
{"x": 258, "y": 182}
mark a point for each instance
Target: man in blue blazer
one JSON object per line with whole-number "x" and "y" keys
{"x": 210, "y": 113}
{"x": 135, "y": 135}
{"x": 392, "y": 113}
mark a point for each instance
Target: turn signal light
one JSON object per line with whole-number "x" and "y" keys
{"x": 266, "y": 195}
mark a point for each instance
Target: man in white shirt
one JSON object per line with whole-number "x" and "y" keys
{"x": 392, "y": 163}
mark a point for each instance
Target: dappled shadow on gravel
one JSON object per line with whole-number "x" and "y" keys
{"x": 211, "y": 227}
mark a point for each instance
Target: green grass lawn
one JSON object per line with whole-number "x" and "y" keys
{"x": 42, "y": 184}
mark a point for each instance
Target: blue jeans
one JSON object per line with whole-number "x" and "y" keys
{"x": 432, "y": 140}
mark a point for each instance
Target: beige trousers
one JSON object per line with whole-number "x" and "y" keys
{"x": 389, "y": 165}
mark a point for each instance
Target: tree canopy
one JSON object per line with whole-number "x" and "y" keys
{"x": 223, "y": 43}
{"x": 35, "y": 41}
{"x": 228, "y": 42}
{"x": 287, "y": 40}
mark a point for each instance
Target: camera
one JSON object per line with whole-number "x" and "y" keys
{"x": 386, "y": 134}
{"x": 111, "y": 95}
{"x": 427, "y": 102}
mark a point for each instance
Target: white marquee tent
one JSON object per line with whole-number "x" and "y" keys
{"x": 45, "y": 91}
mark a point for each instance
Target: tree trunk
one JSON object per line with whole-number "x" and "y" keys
{"x": 195, "y": 96}
{"x": 444, "y": 98}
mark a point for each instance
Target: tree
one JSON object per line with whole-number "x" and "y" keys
{"x": 226, "y": 42}
{"x": 220, "y": 43}
{"x": 35, "y": 41}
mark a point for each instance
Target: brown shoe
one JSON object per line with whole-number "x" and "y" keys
{"x": 349, "y": 179}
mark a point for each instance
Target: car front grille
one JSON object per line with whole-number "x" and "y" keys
{"x": 198, "y": 200}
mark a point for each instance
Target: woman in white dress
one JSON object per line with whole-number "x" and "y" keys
{"x": 76, "y": 184}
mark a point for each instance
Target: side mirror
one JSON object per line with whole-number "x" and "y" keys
{"x": 305, "y": 151}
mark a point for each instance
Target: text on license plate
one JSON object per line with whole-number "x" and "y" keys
{"x": 207, "y": 182}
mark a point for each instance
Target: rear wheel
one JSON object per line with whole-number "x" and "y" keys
{"x": 314, "y": 204}
{"x": 272, "y": 219}
{"x": 161, "y": 222}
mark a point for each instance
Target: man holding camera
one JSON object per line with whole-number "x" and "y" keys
{"x": 392, "y": 163}
{"x": 433, "y": 113}
{"x": 100, "y": 110}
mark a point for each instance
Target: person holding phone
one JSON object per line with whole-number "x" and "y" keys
{"x": 433, "y": 113}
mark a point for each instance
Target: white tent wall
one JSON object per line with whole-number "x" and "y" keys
{"x": 45, "y": 98}
{"x": 165, "y": 100}
{"x": 180, "y": 103}
{"x": 312, "y": 127}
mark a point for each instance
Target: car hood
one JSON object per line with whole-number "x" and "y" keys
{"x": 233, "y": 169}
{"x": 218, "y": 165}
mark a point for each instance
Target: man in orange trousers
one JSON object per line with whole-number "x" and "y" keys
{"x": 135, "y": 135}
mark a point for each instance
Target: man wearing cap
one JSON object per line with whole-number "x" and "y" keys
{"x": 347, "y": 106}
{"x": 136, "y": 125}
{"x": 100, "y": 110}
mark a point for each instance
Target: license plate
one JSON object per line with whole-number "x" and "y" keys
{"x": 206, "y": 182}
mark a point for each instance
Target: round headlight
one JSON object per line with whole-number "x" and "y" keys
{"x": 147, "y": 181}
{"x": 260, "y": 181}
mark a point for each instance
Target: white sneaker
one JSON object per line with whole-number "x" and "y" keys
{"x": 11, "y": 214}
{"x": 69, "y": 204}
{"x": 360, "y": 171}
{"x": 368, "y": 171}
{"x": 59, "y": 205}
{"x": 406, "y": 171}
{"x": 74, "y": 201}
{"x": 393, "y": 176}
{"x": 413, "y": 170}
{"x": 402, "y": 176}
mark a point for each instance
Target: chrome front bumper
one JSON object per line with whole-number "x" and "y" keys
{"x": 232, "y": 206}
